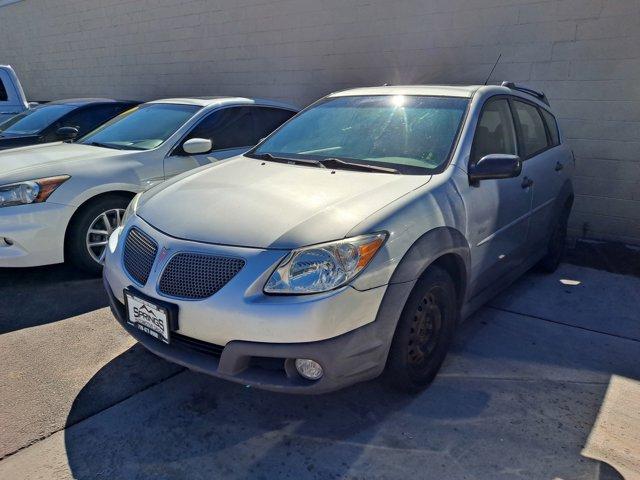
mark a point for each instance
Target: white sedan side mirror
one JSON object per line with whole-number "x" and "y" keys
{"x": 195, "y": 146}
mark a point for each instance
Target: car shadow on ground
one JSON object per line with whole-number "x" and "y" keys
{"x": 195, "y": 426}
{"x": 193, "y": 423}
{"x": 41, "y": 295}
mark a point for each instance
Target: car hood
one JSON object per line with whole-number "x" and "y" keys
{"x": 251, "y": 203}
{"x": 18, "y": 162}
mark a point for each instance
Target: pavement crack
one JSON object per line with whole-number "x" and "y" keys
{"x": 66, "y": 426}
{"x": 586, "y": 329}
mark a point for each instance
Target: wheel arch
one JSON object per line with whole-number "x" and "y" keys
{"x": 445, "y": 247}
{"x": 114, "y": 193}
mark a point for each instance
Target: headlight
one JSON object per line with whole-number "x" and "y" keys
{"x": 131, "y": 208}
{"x": 32, "y": 191}
{"x": 320, "y": 268}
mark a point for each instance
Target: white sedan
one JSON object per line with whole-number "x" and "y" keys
{"x": 61, "y": 201}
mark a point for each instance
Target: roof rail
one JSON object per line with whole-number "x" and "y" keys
{"x": 528, "y": 90}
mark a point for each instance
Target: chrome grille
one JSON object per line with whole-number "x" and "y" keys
{"x": 139, "y": 254}
{"x": 194, "y": 276}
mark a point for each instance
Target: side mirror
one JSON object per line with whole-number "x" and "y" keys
{"x": 495, "y": 166}
{"x": 195, "y": 146}
{"x": 67, "y": 133}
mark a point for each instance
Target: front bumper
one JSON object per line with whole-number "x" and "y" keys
{"x": 350, "y": 358}
{"x": 35, "y": 234}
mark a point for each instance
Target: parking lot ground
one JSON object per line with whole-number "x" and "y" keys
{"x": 517, "y": 398}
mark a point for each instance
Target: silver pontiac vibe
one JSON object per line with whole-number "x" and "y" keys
{"x": 349, "y": 242}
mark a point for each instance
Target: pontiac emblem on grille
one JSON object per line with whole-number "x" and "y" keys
{"x": 163, "y": 254}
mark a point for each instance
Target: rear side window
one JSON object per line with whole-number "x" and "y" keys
{"x": 3, "y": 92}
{"x": 552, "y": 126}
{"x": 495, "y": 132}
{"x": 268, "y": 119}
{"x": 534, "y": 136}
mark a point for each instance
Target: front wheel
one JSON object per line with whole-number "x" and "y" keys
{"x": 89, "y": 232}
{"x": 424, "y": 332}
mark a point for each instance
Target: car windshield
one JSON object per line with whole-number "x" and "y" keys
{"x": 141, "y": 128}
{"x": 410, "y": 134}
{"x": 35, "y": 120}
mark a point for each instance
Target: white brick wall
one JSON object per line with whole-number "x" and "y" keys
{"x": 584, "y": 53}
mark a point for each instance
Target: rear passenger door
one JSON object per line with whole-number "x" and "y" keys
{"x": 497, "y": 210}
{"x": 543, "y": 166}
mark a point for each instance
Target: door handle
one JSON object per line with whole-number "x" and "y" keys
{"x": 526, "y": 182}
{"x": 559, "y": 166}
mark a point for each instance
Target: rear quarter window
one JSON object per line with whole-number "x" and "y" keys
{"x": 268, "y": 119}
{"x": 552, "y": 126}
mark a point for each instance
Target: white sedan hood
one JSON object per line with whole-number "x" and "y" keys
{"x": 39, "y": 160}
{"x": 247, "y": 202}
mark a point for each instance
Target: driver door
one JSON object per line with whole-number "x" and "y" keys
{"x": 231, "y": 131}
{"x": 497, "y": 210}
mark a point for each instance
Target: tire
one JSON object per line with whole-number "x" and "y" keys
{"x": 77, "y": 246}
{"x": 424, "y": 333}
{"x": 557, "y": 243}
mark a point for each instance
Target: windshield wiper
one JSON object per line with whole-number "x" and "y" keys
{"x": 104, "y": 145}
{"x": 274, "y": 158}
{"x": 337, "y": 163}
{"x": 114, "y": 146}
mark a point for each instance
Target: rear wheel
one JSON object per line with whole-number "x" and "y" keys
{"x": 90, "y": 229}
{"x": 557, "y": 243}
{"x": 424, "y": 332}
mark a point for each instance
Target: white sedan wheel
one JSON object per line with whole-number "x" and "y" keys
{"x": 100, "y": 230}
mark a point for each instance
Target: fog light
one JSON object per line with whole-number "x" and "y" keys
{"x": 309, "y": 369}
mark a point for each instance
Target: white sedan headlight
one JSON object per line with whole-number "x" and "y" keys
{"x": 32, "y": 191}
{"x": 320, "y": 268}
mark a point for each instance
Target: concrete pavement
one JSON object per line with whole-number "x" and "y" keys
{"x": 517, "y": 397}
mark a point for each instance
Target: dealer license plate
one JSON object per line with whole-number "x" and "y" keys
{"x": 147, "y": 316}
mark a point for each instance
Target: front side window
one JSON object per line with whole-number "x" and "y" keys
{"x": 91, "y": 117}
{"x": 36, "y": 120}
{"x": 230, "y": 127}
{"x": 533, "y": 134}
{"x": 141, "y": 128}
{"x": 495, "y": 132}
{"x": 411, "y": 134}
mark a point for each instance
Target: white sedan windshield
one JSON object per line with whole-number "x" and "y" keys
{"x": 141, "y": 128}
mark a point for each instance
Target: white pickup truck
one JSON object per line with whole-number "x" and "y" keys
{"x": 12, "y": 99}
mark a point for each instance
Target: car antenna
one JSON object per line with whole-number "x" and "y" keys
{"x": 494, "y": 67}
